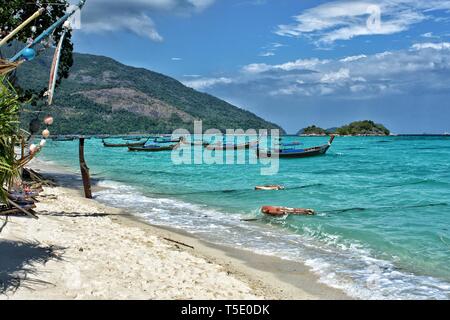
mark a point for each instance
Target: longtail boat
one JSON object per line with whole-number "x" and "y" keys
{"x": 153, "y": 148}
{"x": 291, "y": 144}
{"x": 194, "y": 143}
{"x": 269, "y": 187}
{"x": 166, "y": 140}
{"x": 220, "y": 146}
{"x": 296, "y": 153}
{"x": 132, "y": 139}
{"x": 122, "y": 145}
{"x": 63, "y": 138}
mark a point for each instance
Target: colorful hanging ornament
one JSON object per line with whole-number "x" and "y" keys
{"x": 33, "y": 148}
{"x": 55, "y": 66}
{"x": 29, "y": 54}
{"x": 48, "y": 120}
{"x": 46, "y": 133}
{"x": 50, "y": 29}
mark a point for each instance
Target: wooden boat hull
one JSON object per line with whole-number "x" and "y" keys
{"x": 304, "y": 153}
{"x": 63, "y": 139}
{"x": 271, "y": 187}
{"x": 193, "y": 144}
{"x": 131, "y": 139}
{"x": 151, "y": 149}
{"x": 228, "y": 147}
{"x": 159, "y": 140}
{"x": 123, "y": 145}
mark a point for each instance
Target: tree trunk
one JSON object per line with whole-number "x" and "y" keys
{"x": 85, "y": 172}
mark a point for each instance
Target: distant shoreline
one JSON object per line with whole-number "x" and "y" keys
{"x": 375, "y": 135}
{"x": 106, "y": 136}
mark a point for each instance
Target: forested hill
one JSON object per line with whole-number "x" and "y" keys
{"x": 356, "y": 128}
{"x": 102, "y": 95}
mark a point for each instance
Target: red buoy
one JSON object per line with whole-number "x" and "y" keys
{"x": 281, "y": 211}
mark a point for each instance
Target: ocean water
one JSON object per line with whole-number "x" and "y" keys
{"x": 383, "y": 225}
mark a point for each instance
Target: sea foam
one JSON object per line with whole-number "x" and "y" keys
{"x": 339, "y": 263}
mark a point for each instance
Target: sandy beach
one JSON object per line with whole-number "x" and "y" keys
{"x": 82, "y": 249}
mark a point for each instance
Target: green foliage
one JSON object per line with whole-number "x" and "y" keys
{"x": 76, "y": 114}
{"x": 9, "y": 106}
{"x": 312, "y": 130}
{"x": 12, "y": 14}
{"x": 366, "y": 127}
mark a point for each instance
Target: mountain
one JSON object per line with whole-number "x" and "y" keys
{"x": 102, "y": 95}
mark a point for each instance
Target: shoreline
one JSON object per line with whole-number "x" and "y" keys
{"x": 266, "y": 277}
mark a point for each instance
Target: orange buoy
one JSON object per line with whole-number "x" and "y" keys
{"x": 281, "y": 211}
{"x": 269, "y": 187}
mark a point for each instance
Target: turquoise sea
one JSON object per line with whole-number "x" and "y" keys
{"x": 383, "y": 224}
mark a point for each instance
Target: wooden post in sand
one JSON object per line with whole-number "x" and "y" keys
{"x": 85, "y": 172}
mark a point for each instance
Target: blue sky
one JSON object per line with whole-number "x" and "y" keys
{"x": 292, "y": 62}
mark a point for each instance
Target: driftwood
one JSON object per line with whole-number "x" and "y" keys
{"x": 28, "y": 213}
{"x": 34, "y": 176}
{"x": 180, "y": 243}
{"x": 4, "y": 224}
{"x": 251, "y": 219}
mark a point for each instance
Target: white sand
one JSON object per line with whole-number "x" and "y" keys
{"x": 118, "y": 256}
{"x": 103, "y": 259}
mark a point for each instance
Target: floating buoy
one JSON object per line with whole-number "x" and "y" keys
{"x": 281, "y": 211}
{"x": 269, "y": 187}
{"x": 28, "y": 54}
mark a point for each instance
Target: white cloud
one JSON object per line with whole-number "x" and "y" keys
{"x": 141, "y": 25}
{"x": 383, "y": 54}
{"x": 200, "y": 84}
{"x": 270, "y": 49}
{"x": 176, "y": 59}
{"x": 257, "y": 68}
{"x": 429, "y": 35}
{"x": 431, "y": 45}
{"x": 332, "y": 77}
{"x": 424, "y": 67}
{"x": 300, "y": 64}
{"x": 252, "y": 3}
{"x": 353, "y": 58}
{"x": 134, "y": 15}
{"x": 267, "y": 54}
{"x": 344, "y": 20}
{"x": 277, "y": 45}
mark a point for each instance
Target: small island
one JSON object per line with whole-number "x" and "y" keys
{"x": 356, "y": 128}
{"x": 312, "y": 131}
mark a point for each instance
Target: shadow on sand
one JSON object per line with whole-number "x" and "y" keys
{"x": 16, "y": 260}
